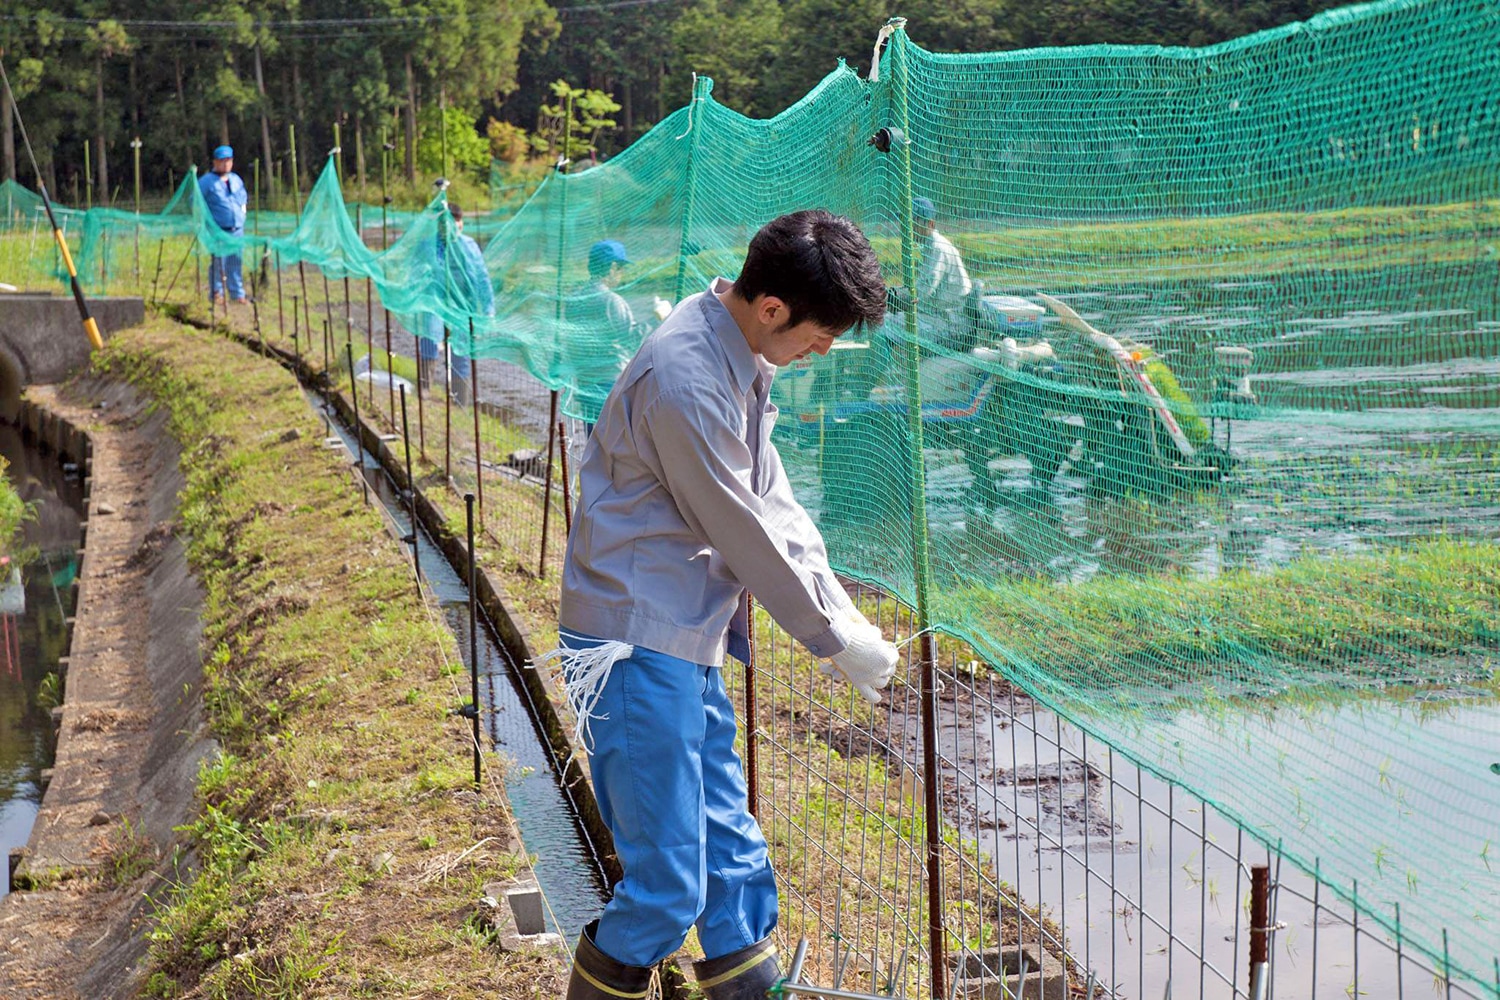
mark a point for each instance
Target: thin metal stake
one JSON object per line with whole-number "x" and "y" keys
{"x": 411, "y": 491}
{"x": 359, "y": 443}
{"x": 1400, "y": 970}
{"x": 370, "y": 334}
{"x": 296, "y": 321}
{"x": 541, "y": 572}
{"x": 1317, "y": 905}
{"x": 421, "y": 420}
{"x": 390, "y": 365}
{"x": 478, "y": 443}
{"x": 1447, "y": 969}
{"x": 447, "y": 408}
{"x": 280, "y": 304}
{"x": 473, "y": 632}
{"x": 157, "y": 276}
{"x": 567, "y": 483}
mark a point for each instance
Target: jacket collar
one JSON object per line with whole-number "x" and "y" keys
{"x": 743, "y": 364}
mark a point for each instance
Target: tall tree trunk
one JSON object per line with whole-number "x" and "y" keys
{"x": 265, "y": 120}
{"x": 359, "y": 152}
{"x": 135, "y": 98}
{"x": 301, "y": 114}
{"x": 411, "y": 122}
{"x": 629, "y": 103}
{"x": 8, "y": 135}
{"x": 182, "y": 105}
{"x": 103, "y": 157}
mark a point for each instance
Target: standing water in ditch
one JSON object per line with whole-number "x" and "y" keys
{"x": 565, "y": 863}
{"x": 36, "y": 598}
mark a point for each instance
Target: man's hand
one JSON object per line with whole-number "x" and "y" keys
{"x": 868, "y": 662}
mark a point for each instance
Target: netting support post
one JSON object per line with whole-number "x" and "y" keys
{"x": 478, "y": 441}
{"x": 752, "y": 749}
{"x": 135, "y": 149}
{"x": 561, "y": 316}
{"x": 473, "y": 635}
{"x": 922, "y": 569}
{"x": 1260, "y": 930}
{"x": 702, "y": 86}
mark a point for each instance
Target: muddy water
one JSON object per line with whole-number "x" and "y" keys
{"x": 33, "y": 605}
{"x": 566, "y": 867}
{"x": 1118, "y": 857}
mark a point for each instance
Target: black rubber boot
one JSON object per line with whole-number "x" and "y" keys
{"x": 747, "y": 974}
{"x": 596, "y": 976}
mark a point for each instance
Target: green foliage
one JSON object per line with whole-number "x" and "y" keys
{"x": 508, "y": 143}
{"x": 467, "y": 151}
{"x": 580, "y": 115}
{"x": 130, "y": 854}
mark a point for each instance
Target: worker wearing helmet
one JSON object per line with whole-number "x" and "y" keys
{"x": 224, "y": 193}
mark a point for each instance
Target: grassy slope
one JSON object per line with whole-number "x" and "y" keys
{"x": 1397, "y": 615}
{"x": 330, "y": 849}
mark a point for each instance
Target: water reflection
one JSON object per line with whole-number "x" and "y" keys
{"x": 37, "y": 598}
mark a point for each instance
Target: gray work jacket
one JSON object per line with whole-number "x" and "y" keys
{"x": 684, "y": 504}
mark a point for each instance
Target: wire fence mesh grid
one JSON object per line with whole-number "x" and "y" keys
{"x": 1276, "y": 604}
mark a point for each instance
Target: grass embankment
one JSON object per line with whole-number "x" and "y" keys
{"x": 340, "y": 847}
{"x": 1421, "y": 613}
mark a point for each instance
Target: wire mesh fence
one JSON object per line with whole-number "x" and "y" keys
{"x": 1202, "y": 465}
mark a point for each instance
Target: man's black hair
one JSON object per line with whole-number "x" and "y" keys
{"x": 456, "y": 212}
{"x": 820, "y": 265}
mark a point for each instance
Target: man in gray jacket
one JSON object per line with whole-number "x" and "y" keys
{"x": 684, "y": 506}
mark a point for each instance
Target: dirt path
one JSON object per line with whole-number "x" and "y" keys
{"x": 127, "y": 749}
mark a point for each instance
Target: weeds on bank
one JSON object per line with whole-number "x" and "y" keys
{"x": 342, "y": 781}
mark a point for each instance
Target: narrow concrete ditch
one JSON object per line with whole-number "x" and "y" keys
{"x": 523, "y": 717}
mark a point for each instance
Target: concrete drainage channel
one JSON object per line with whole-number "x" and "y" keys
{"x": 550, "y": 797}
{"x": 551, "y": 800}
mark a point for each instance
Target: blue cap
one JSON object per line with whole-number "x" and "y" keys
{"x": 924, "y": 209}
{"x": 223, "y": 152}
{"x": 605, "y": 253}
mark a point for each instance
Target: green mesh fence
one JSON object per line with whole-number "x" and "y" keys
{"x": 1210, "y": 439}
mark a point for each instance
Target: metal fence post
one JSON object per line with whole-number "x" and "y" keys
{"x": 920, "y": 555}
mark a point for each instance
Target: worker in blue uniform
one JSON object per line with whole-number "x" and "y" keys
{"x": 227, "y": 200}
{"x": 683, "y": 507}
{"x": 466, "y": 284}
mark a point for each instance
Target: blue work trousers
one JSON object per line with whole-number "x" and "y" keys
{"x": 430, "y": 347}
{"x": 222, "y": 271}
{"x": 672, "y": 792}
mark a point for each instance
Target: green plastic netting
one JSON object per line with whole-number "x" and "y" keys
{"x": 1239, "y": 519}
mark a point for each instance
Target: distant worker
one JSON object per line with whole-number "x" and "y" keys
{"x": 683, "y": 507}
{"x": 227, "y": 201}
{"x": 943, "y": 283}
{"x": 605, "y": 330}
{"x": 465, "y": 285}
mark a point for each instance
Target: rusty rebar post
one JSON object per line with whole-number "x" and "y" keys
{"x": 1260, "y": 930}
{"x": 541, "y": 571}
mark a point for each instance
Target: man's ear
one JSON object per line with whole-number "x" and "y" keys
{"x": 771, "y": 311}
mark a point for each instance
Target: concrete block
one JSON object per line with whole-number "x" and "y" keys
{"x": 525, "y": 902}
{"x": 995, "y": 974}
{"x": 516, "y": 913}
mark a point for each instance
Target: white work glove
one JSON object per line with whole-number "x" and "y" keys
{"x": 868, "y": 662}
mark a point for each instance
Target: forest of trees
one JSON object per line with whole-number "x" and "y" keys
{"x": 185, "y": 75}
